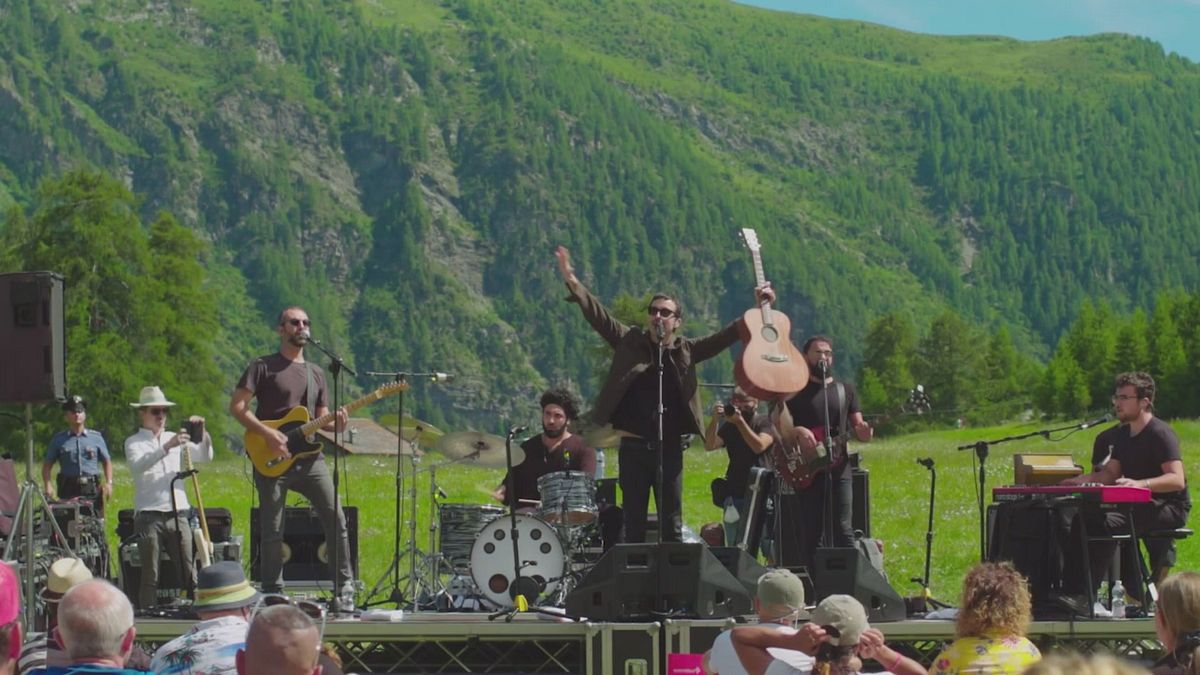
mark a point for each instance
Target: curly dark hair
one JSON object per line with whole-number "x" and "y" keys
{"x": 562, "y": 398}
{"x": 1142, "y": 382}
{"x": 995, "y": 601}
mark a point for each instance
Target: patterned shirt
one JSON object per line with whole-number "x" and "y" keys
{"x": 209, "y": 648}
{"x": 986, "y": 656}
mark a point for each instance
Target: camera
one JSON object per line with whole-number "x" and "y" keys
{"x": 195, "y": 430}
{"x": 731, "y": 410}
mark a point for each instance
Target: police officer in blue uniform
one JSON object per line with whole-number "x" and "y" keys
{"x": 85, "y": 465}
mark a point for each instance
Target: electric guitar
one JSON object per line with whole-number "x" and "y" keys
{"x": 770, "y": 365}
{"x": 300, "y": 431}
{"x": 799, "y": 470}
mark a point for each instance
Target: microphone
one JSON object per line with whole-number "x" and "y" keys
{"x": 822, "y": 368}
{"x": 304, "y": 333}
{"x": 1096, "y": 422}
{"x": 441, "y": 377}
{"x": 659, "y": 329}
{"x": 441, "y": 492}
{"x": 184, "y": 474}
{"x": 926, "y": 462}
{"x": 518, "y": 430}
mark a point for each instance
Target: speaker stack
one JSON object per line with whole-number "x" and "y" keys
{"x": 31, "y": 330}
{"x": 638, "y": 582}
{"x": 847, "y": 571}
{"x": 305, "y": 555}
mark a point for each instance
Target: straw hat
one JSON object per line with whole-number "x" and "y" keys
{"x": 152, "y": 396}
{"x": 64, "y": 574}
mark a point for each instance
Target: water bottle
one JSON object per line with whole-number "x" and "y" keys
{"x": 1102, "y": 593}
{"x": 599, "y": 463}
{"x": 1118, "y": 600}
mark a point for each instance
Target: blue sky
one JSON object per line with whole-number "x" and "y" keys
{"x": 1175, "y": 24}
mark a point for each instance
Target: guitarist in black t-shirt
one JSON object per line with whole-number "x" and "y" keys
{"x": 1145, "y": 453}
{"x": 802, "y": 514}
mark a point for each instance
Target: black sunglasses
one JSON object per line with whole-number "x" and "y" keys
{"x": 299, "y": 322}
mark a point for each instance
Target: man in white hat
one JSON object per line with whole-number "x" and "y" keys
{"x": 223, "y": 600}
{"x": 154, "y": 455}
{"x": 40, "y": 649}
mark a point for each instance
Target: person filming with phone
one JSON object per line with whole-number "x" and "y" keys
{"x": 155, "y": 456}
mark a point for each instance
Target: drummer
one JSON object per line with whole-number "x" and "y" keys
{"x": 555, "y": 449}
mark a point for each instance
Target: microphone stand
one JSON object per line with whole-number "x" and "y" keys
{"x": 926, "y": 594}
{"x": 336, "y": 365}
{"x": 827, "y": 443}
{"x": 658, "y": 469}
{"x": 981, "y": 451}
{"x": 186, "y": 585}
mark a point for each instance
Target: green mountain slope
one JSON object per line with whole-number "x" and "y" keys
{"x": 405, "y": 167}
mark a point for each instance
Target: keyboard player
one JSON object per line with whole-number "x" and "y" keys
{"x": 1145, "y": 453}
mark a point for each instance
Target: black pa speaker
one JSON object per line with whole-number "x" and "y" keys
{"x": 846, "y": 571}
{"x": 305, "y": 556}
{"x": 741, "y": 565}
{"x": 636, "y": 582}
{"x": 31, "y": 330}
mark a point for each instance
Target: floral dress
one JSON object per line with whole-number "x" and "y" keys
{"x": 986, "y": 656}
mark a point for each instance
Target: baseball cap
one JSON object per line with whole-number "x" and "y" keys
{"x": 781, "y": 588}
{"x": 844, "y": 614}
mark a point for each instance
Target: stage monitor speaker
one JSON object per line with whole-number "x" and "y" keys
{"x": 306, "y": 558}
{"x": 636, "y": 582}
{"x": 860, "y": 516}
{"x": 32, "y": 362}
{"x": 847, "y": 571}
{"x": 741, "y": 565}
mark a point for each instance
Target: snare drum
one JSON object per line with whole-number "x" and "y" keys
{"x": 568, "y": 498}
{"x": 540, "y": 552}
{"x": 459, "y": 524}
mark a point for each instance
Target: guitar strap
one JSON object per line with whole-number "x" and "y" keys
{"x": 310, "y": 396}
{"x": 841, "y": 398}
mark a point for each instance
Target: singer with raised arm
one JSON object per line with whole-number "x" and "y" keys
{"x": 555, "y": 449}
{"x": 804, "y": 513}
{"x": 154, "y": 456}
{"x": 629, "y": 398}
{"x": 280, "y": 382}
{"x": 1145, "y": 453}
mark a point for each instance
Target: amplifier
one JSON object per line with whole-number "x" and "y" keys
{"x": 168, "y": 574}
{"x": 305, "y": 555}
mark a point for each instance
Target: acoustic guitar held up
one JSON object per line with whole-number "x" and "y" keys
{"x": 770, "y": 365}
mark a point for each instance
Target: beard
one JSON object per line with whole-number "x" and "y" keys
{"x": 553, "y": 433}
{"x": 747, "y": 415}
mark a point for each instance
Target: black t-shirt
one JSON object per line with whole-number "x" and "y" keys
{"x": 1102, "y": 447}
{"x": 635, "y": 413}
{"x": 278, "y": 385}
{"x": 1142, "y": 455}
{"x": 539, "y": 462}
{"x": 741, "y": 457}
{"x": 808, "y": 406}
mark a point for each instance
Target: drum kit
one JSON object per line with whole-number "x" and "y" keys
{"x": 470, "y": 562}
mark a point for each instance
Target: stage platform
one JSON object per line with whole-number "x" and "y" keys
{"x": 431, "y": 642}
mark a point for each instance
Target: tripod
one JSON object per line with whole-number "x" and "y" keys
{"x": 926, "y": 594}
{"x": 22, "y": 522}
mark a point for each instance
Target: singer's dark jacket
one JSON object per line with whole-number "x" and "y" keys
{"x": 635, "y": 352}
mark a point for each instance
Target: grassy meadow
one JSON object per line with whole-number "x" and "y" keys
{"x": 899, "y": 496}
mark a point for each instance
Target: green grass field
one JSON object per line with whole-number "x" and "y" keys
{"x": 899, "y": 496}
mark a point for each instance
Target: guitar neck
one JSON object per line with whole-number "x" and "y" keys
{"x": 311, "y": 427}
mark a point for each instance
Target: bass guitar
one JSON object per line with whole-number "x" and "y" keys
{"x": 300, "y": 431}
{"x": 770, "y": 365}
{"x": 799, "y": 470}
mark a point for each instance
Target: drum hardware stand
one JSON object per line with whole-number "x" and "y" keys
{"x": 336, "y": 366}
{"x": 926, "y": 594}
{"x": 22, "y": 521}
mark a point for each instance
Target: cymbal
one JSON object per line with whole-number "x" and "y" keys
{"x": 418, "y": 432}
{"x": 478, "y": 448}
{"x": 603, "y": 436}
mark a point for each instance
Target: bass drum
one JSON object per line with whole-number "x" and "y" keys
{"x": 539, "y": 549}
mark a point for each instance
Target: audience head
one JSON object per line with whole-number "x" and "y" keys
{"x": 222, "y": 590}
{"x": 844, "y": 620}
{"x": 281, "y": 640}
{"x": 995, "y": 601}
{"x": 10, "y": 618}
{"x": 780, "y": 595}
{"x": 1177, "y": 620}
{"x": 95, "y": 623}
{"x": 1078, "y": 664}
